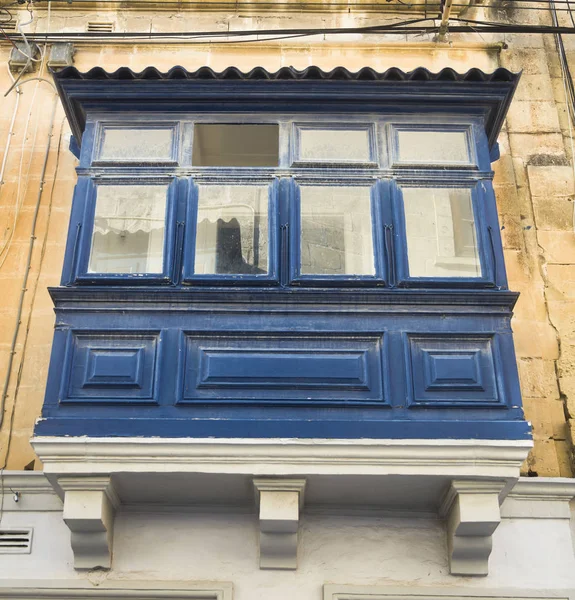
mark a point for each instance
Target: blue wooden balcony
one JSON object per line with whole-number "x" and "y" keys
{"x": 219, "y": 283}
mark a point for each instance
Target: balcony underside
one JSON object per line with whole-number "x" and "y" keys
{"x": 396, "y": 475}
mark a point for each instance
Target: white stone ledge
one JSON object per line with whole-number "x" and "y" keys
{"x": 265, "y": 456}
{"x": 540, "y": 498}
{"x": 35, "y": 492}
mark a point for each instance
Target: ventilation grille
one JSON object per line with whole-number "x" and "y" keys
{"x": 100, "y": 27}
{"x": 8, "y": 25}
{"x": 16, "y": 541}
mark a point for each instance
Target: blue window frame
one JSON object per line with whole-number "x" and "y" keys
{"x": 237, "y": 220}
{"x": 387, "y": 201}
{"x": 138, "y": 246}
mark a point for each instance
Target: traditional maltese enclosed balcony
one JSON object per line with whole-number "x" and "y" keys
{"x": 284, "y": 283}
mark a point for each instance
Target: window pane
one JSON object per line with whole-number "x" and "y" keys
{"x": 335, "y": 145}
{"x": 224, "y": 145}
{"x": 134, "y": 144}
{"x": 441, "y": 239}
{"x": 232, "y": 230}
{"x": 433, "y": 147}
{"x": 336, "y": 232}
{"x": 129, "y": 226}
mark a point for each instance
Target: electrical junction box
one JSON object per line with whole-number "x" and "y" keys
{"x": 19, "y": 57}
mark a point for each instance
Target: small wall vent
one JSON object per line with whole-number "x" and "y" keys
{"x": 8, "y": 25}
{"x": 100, "y": 27}
{"x": 16, "y": 541}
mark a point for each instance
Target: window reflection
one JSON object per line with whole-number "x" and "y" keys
{"x": 336, "y": 232}
{"x": 440, "y": 227}
{"x": 129, "y": 226}
{"x": 134, "y": 144}
{"x": 433, "y": 147}
{"x": 232, "y": 230}
{"x": 337, "y": 145}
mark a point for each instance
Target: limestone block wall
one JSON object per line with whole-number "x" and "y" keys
{"x": 534, "y": 184}
{"x": 535, "y": 191}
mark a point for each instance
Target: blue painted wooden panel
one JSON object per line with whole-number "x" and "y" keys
{"x": 279, "y": 368}
{"x": 445, "y": 370}
{"x": 402, "y": 364}
{"x": 110, "y": 366}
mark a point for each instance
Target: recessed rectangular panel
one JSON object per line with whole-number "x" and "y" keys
{"x": 111, "y": 367}
{"x": 114, "y": 368}
{"x": 282, "y": 368}
{"x": 433, "y": 147}
{"x": 451, "y": 370}
{"x": 128, "y": 144}
{"x": 235, "y": 145}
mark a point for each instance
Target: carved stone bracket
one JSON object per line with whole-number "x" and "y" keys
{"x": 280, "y": 502}
{"x": 89, "y": 508}
{"x": 472, "y": 512}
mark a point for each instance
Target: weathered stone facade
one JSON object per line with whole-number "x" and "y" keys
{"x": 534, "y": 184}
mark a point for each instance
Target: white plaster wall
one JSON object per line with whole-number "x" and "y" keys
{"x": 51, "y": 555}
{"x": 529, "y": 554}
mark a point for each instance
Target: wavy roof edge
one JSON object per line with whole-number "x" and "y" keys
{"x": 290, "y": 73}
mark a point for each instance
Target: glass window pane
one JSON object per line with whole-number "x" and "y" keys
{"x": 334, "y": 145}
{"x": 336, "y": 231}
{"x": 137, "y": 144}
{"x": 129, "y": 227}
{"x": 441, "y": 237}
{"x": 433, "y": 147}
{"x": 232, "y": 230}
{"x": 229, "y": 145}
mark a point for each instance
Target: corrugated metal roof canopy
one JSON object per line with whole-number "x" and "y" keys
{"x": 286, "y": 90}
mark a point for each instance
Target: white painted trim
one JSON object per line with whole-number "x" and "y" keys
{"x": 282, "y": 457}
{"x": 30, "y": 482}
{"x": 35, "y": 492}
{"x": 539, "y": 498}
{"x": 114, "y": 590}
{"x": 544, "y": 488}
{"x": 378, "y": 592}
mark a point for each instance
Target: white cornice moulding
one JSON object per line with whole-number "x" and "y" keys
{"x": 282, "y": 457}
{"x": 280, "y": 502}
{"x": 35, "y": 492}
{"x": 472, "y": 512}
{"x": 540, "y": 498}
{"x": 90, "y": 505}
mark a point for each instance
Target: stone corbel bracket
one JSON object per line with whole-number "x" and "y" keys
{"x": 471, "y": 509}
{"x": 90, "y": 505}
{"x": 280, "y": 502}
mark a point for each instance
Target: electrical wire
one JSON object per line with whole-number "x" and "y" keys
{"x": 568, "y": 88}
{"x": 20, "y": 196}
{"x": 212, "y": 37}
{"x": 25, "y": 281}
{"x": 9, "y": 138}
